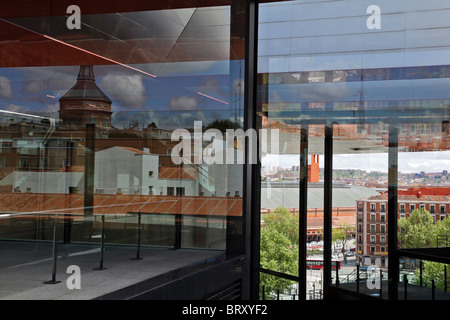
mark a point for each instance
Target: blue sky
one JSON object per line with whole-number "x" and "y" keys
{"x": 184, "y": 91}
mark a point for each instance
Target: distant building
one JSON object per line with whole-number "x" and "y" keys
{"x": 287, "y": 194}
{"x": 85, "y": 103}
{"x": 372, "y": 219}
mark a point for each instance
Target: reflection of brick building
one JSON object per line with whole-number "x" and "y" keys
{"x": 372, "y": 218}
{"x": 85, "y": 102}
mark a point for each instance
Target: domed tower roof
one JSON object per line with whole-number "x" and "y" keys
{"x": 85, "y": 88}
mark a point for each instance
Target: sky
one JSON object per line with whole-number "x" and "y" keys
{"x": 409, "y": 162}
{"x": 184, "y": 92}
{"x": 176, "y": 98}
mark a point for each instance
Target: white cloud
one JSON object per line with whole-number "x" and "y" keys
{"x": 15, "y": 108}
{"x": 127, "y": 90}
{"x": 183, "y": 103}
{"x": 50, "y": 108}
{"x": 5, "y": 88}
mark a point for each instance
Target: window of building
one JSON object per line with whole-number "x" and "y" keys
{"x": 23, "y": 162}
{"x": 180, "y": 191}
{"x": 170, "y": 191}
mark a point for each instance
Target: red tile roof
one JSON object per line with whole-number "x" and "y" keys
{"x": 178, "y": 173}
{"x": 35, "y": 203}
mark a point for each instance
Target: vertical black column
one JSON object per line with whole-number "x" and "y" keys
{"x": 303, "y": 212}
{"x": 327, "y": 209}
{"x": 252, "y": 172}
{"x": 393, "y": 269}
{"x": 89, "y": 171}
{"x": 178, "y": 225}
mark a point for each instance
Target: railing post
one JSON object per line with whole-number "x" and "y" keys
{"x": 405, "y": 285}
{"x": 381, "y": 282}
{"x": 337, "y": 275}
{"x": 357, "y": 278}
{"x": 138, "y": 253}
{"x": 420, "y": 272}
{"x": 55, "y": 252}
{"x": 433, "y": 289}
{"x": 102, "y": 245}
{"x": 445, "y": 278}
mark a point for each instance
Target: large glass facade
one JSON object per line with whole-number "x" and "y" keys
{"x": 105, "y": 152}
{"x": 127, "y": 148}
{"x": 358, "y": 91}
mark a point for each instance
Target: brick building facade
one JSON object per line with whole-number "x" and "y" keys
{"x": 372, "y": 219}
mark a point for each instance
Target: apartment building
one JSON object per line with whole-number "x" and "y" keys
{"x": 372, "y": 219}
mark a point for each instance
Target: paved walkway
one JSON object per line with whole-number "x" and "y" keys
{"x": 25, "y": 266}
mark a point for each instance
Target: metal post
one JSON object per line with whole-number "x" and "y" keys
{"x": 357, "y": 278}
{"x": 55, "y": 252}
{"x": 405, "y": 285}
{"x": 421, "y": 273}
{"x": 178, "y": 221}
{"x": 393, "y": 270}
{"x": 445, "y": 278}
{"x": 433, "y": 290}
{"x": 381, "y": 283}
{"x": 337, "y": 276}
{"x": 303, "y": 213}
{"x": 102, "y": 248}
{"x": 252, "y": 172}
{"x": 327, "y": 224}
{"x": 138, "y": 253}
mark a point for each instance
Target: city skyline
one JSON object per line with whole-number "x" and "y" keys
{"x": 432, "y": 161}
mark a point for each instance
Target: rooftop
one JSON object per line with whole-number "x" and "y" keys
{"x": 47, "y": 203}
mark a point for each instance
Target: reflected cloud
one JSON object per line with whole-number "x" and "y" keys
{"x": 5, "y": 88}
{"x": 126, "y": 90}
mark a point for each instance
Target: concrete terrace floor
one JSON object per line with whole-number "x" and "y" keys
{"x": 25, "y": 266}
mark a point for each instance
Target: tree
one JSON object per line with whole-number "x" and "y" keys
{"x": 433, "y": 271}
{"x": 418, "y": 231}
{"x": 279, "y": 248}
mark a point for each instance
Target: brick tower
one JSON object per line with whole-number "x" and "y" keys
{"x": 85, "y": 102}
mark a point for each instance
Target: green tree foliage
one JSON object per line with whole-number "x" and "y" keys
{"x": 279, "y": 248}
{"x": 420, "y": 231}
{"x": 433, "y": 271}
